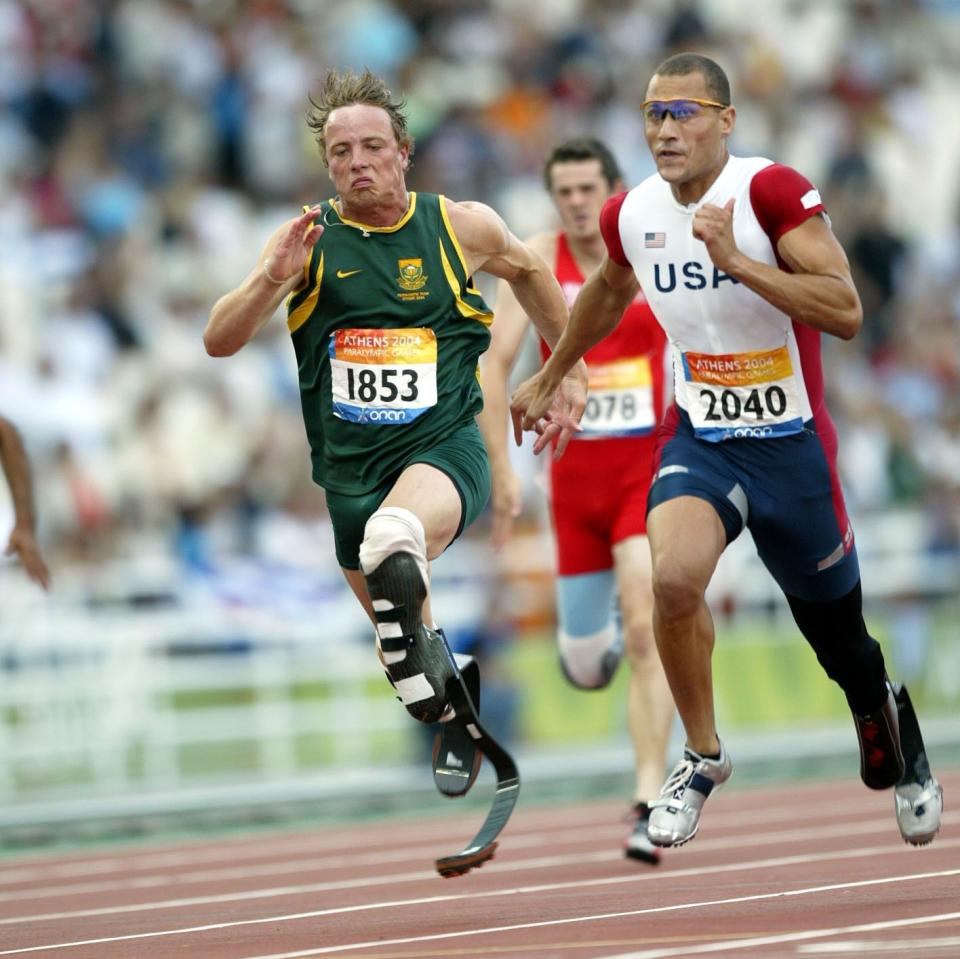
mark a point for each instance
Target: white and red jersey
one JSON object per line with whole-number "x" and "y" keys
{"x": 742, "y": 368}
{"x": 626, "y": 368}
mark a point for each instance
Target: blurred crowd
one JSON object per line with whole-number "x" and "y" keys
{"x": 149, "y": 147}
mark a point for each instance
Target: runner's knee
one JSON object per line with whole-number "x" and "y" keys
{"x": 589, "y": 661}
{"x": 392, "y": 529}
{"x": 637, "y": 628}
{"x": 676, "y": 593}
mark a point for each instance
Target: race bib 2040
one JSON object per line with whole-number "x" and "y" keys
{"x": 619, "y": 400}
{"x": 742, "y": 395}
{"x": 383, "y": 376}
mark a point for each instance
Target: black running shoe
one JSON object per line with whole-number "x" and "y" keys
{"x": 881, "y": 760}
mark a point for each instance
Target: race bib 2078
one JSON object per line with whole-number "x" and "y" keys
{"x": 619, "y": 400}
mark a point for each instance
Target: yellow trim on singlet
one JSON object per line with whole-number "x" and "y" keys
{"x": 471, "y": 312}
{"x": 456, "y": 243}
{"x": 302, "y": 313}
{"x": 378, "y": 229}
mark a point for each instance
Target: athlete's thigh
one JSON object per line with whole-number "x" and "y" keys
{"x": 585, "y": 603}
{"x": 689, "y": 467}
{"x": 349, "y": 515}
{"x": 635, "y": 475}
{"x": 434, "y": 499}
{"x": 581, "y": 531}
{"x": 798, "y": 520}
{"x": 461, "y": 458}
{"x": 695, "y": 507}
{"x": 633, "y": 565}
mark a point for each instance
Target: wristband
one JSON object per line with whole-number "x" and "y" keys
{"x": 266, "y": 273}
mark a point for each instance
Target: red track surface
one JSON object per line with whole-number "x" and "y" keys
{"x": 812, "y": 870}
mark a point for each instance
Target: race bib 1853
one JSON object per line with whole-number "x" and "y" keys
{"x": 620, "y": 399}
{"x": 742, "y": 395}
{"x": 383, "y": 376}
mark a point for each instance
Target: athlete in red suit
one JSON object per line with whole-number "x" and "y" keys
{"x": 598, "y": 488}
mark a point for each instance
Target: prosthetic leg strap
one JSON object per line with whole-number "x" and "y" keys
{"x": 390, "y": 643}
{"x": 917, "y": 766}
{"x": 397, "y": 590}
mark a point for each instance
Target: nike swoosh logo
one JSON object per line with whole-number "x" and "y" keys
{"x": 343, "y": 274}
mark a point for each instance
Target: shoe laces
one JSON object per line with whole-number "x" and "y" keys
{"x": 677, "y": 780}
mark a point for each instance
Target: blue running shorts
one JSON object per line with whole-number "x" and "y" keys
{"x": 785, "y": 491}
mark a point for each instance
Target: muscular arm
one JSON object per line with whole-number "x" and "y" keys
{"x": 509, "y": 328}
{"x": 600, "y": 304}
{"x": 16, "y": 467}
{"x": 488, "y": 245}
{"x": 819, "y": 293}
{"x": 239, "y": 315}
{"x": 598, "y": 309}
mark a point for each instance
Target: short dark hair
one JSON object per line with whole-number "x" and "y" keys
{"x": 583, "y": 148}
{"x": 348, "y": 88}
{"x": 683, "y": 63}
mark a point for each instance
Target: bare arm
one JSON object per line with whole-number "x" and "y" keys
{"x": 819, "y": 293}
{"x": 22, "y": 540}
{"x": 488, "y": 245}
{"x": 600, "y": 304}
{"x": 239, "y": 315}
{"x": 509, "y": 328}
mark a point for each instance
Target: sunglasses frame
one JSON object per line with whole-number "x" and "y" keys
{"x": 697, "y": 100}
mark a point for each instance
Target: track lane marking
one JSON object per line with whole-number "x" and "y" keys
{"x": 231, "y": 850}
{"x": 903, "y": 947}
{"x": 685, "y": 950}
{"x": 782, "y": 938}
{"x": 840, "y": 830}
{"x": 730, "y": 867}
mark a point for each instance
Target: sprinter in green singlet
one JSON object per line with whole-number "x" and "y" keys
{"x": 388, "y": 327}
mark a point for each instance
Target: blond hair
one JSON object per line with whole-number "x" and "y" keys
{"x": 346, "y": 89}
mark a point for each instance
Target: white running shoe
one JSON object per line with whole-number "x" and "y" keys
{"x": 919, "y": 807}
{"x": 675, "y": 816}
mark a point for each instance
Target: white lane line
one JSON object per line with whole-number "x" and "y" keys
{"x": 233, "y": 850}
{"x": 514, "y": 865}
{"x": 323, "y": 840}
{"x": 902, "y": 947}
{"x": 699, "y": 872}
{"x": 530, "y": 840}
{"x": 786, "y": 937}
{"x": 655, "y": 953}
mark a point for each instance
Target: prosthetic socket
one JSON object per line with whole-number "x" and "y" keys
{"x": 393, "y": 557}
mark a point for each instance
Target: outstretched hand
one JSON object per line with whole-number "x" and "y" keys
{"x": 553, "y": 413}
{"x": 23, "y": 543}
{"x": 293, "y": 249}
{"x": 713, "y": 225}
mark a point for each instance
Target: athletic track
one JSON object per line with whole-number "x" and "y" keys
{"x": 808, "y": 870}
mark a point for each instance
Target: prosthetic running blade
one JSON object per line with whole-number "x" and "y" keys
{"x": 456, "y": 758}
{"x": 484, "y": 844}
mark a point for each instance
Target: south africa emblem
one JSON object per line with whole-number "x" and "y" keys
{"x": 411, "y": 274}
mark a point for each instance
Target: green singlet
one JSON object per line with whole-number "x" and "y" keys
{"x": 388, "y": 330}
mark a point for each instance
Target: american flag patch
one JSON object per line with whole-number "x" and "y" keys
{"x": 654, "y": 241}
